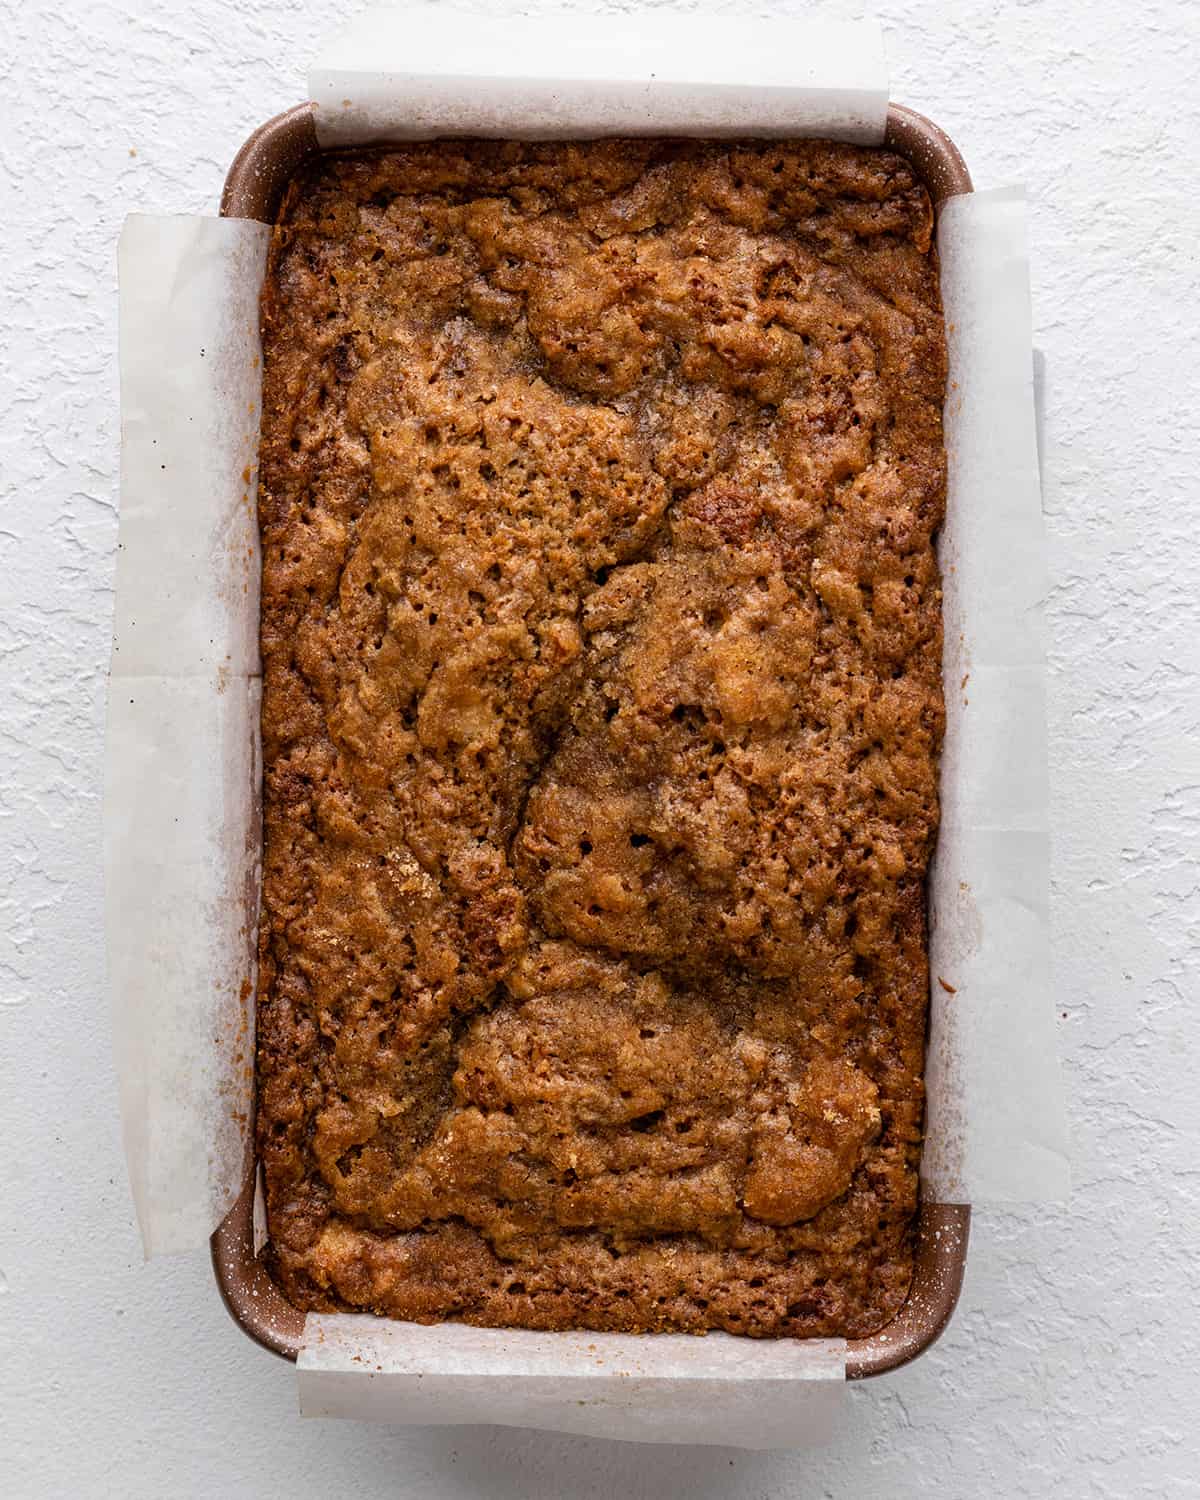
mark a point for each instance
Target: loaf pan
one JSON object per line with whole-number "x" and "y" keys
{"x": 254, "y": 189}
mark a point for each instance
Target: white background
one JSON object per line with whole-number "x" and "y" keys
{"x": 1073, "y": 1366}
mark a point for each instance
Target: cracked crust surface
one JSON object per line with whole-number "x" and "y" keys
{"x": 601, "y": 635}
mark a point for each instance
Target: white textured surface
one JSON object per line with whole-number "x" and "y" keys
{"x": 1073, "y": 1366}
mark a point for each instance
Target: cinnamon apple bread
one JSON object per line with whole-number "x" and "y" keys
{"x": 601, "y": 639}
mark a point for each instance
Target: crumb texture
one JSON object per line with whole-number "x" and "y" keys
{"x": 601, "y": 636}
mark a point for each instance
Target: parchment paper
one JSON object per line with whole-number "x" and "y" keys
{"x": 412, "y": 71}
{"x": 662, "y": 1388}
{"x": 182, "y": 758}
{"x": 996, "y": 1125}
{"x": 182, "y": 841}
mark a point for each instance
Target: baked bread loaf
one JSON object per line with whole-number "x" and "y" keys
{"x": 601, "y": 636}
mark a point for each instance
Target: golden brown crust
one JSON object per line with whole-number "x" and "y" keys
{"x": 601, "y": 636}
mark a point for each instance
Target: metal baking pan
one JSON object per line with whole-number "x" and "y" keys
{"x": 254, "y": 189}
